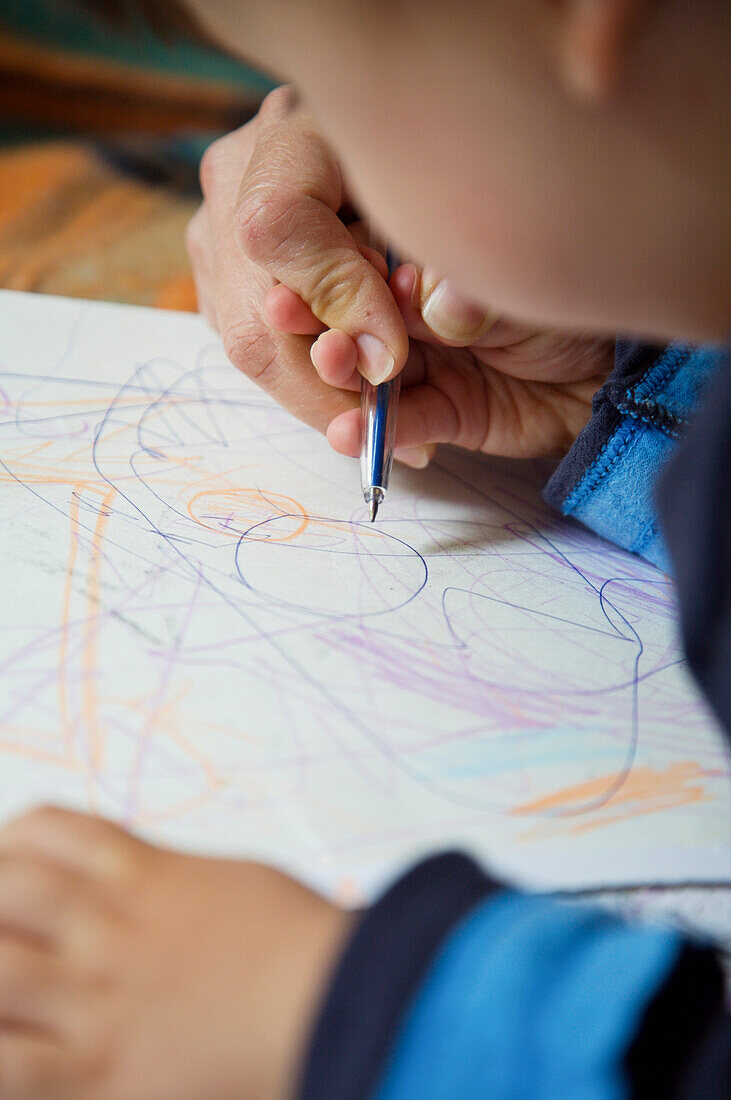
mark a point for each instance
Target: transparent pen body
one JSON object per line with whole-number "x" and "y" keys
{"x": 378, "y": 406}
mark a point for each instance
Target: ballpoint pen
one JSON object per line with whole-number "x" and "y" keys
{"x": 378, "y": 407}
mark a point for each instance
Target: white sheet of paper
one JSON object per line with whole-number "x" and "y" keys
{"x": 202, "y": 638}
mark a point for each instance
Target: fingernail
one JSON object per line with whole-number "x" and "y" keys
{"x": 374, "y": 358}
{"x": 417, "y": 457}
{"x": 315, "y": 354}
{"x": 449, "y": 315}
{"x": 414, "y": 292}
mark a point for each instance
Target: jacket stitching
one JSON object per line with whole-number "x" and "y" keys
{"x": 601, "y": 467}
{"x": 658, "y": 416}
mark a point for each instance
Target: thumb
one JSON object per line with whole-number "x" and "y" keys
{"x": 287, "y": 223}
{"x": 449, "y": 314}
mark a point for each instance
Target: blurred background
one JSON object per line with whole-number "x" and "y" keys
{"x": 101, "y": 132}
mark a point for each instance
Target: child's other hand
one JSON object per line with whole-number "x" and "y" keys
{"x": 127, "y": 971}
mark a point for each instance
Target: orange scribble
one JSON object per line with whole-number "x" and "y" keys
{"x": 90, "y": 636}
{"x": 646, "y": 790}
{"x": 164, "y": 721}
{"x": 232, "y": 511}
{"x": 22, "y": 747}
{"x": 89, "y": 661}
{"x": 66, "y": 725}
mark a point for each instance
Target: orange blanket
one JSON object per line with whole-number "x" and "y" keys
{"x": 70, "y": 224}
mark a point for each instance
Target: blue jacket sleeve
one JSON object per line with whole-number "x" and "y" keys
{"x": 455, "y": 988}
{"x": 608, "y": 478}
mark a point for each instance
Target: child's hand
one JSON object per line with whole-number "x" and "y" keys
{"x": 478, "y": 381}
{"x": 288, "y": 286}
{"x": 127, "y": 971}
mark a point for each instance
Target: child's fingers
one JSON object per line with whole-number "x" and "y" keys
{"x": 344, "y": 436}
{"x": 344, "y": 433}
{"x": 416, "y": 457}
{"x": 344, "y": 430}
{"x": 452, "y": 317}
{"x": 32, "y": 1064}
{"x": 31, "y": 979}
{"x": 435, "y": 312}
{"x": 335, "y": 358}
{"x": 445, "y": 398}
{"x": 285, "y": 311}
{"x": 45, "y": 902}
{"x": 405, "y": 283}
{"x": 85, "y": 844}
{"x": 426, "y": 415}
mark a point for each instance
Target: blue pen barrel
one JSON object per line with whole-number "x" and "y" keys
{"x": 378, "y": 414}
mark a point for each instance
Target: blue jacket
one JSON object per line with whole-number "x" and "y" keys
{"x": 455, "y": 987}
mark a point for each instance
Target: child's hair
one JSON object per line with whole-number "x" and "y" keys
{"x": 168, "y": 18}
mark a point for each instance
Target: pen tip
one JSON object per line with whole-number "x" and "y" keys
{"x": 373, "y": 510}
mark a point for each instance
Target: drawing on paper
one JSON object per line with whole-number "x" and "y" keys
{"x": 203, "y": 638}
